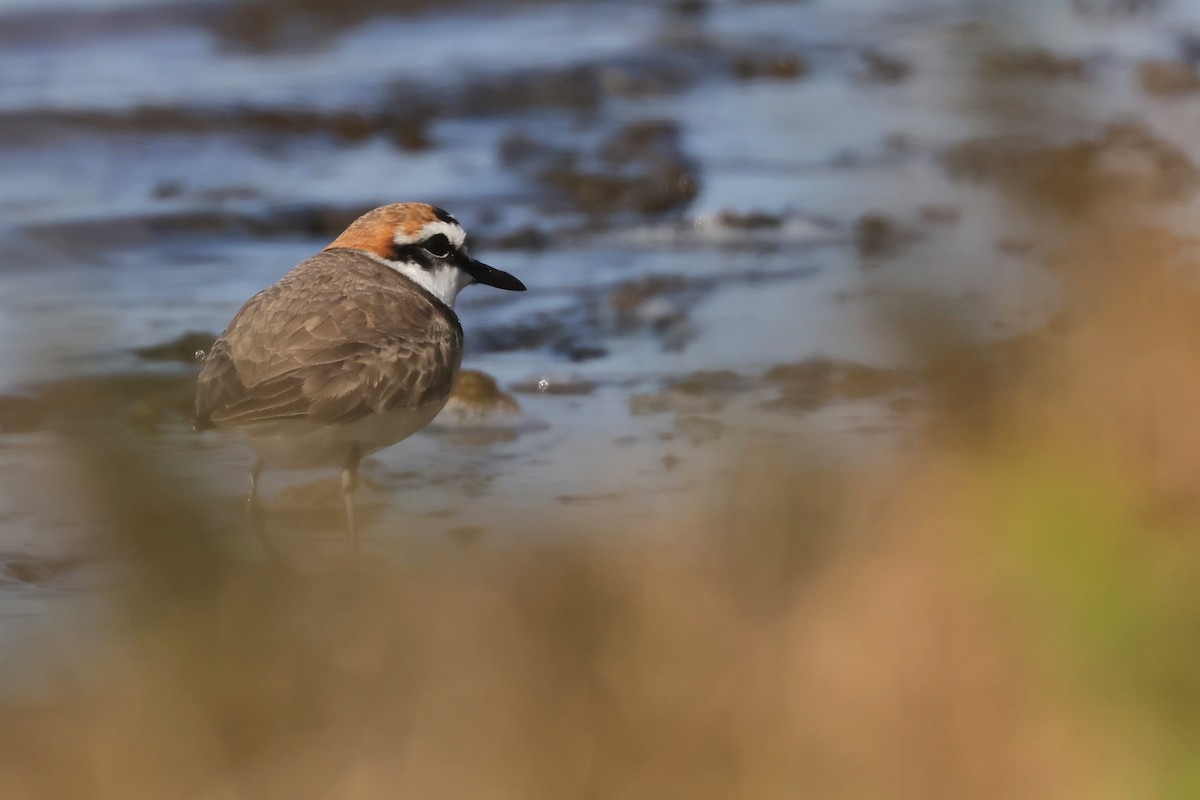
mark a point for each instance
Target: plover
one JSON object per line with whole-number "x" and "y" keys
{"x": 352, "y": 351}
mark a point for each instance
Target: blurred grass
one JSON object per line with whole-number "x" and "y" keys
{"x": 1005, "y": 613}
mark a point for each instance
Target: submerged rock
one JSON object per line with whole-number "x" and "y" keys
{"x": 815, "y": 382}
{"x": 1161, "y": 77}
{"x": 749, "y": 221}
{"x": 37, "y": 572}
{"x": 780, "y": 66}
{"x": 712, "y": 382}
{"x": 1029, "y": 62}
{"x": 479, "y": 413}
{"x": 478, "y": 397}
{"x": 877, "y": 236}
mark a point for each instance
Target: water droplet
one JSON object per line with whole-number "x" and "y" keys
{"x": 199, "y": 355}
{"x": 543, "y": 384}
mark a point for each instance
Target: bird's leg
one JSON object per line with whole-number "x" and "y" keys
{"x": 255, "y": 513}
{"x": 349, "y": 483}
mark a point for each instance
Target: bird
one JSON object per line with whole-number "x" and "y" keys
{"x": 353, "y": 350}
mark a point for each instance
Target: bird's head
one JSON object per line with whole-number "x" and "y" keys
{"x": 425, "y": 244}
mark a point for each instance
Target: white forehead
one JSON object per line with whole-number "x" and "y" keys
{"x": 452, "y": 230}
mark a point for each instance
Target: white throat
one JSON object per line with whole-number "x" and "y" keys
{"x": 443, "y": 282}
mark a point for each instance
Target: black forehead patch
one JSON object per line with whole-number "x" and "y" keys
{"x": 444, "y": 215}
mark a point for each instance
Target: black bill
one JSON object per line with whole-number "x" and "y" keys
{"x": 490, "y": 276}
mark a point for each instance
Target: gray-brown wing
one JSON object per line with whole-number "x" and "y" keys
{"x": 332, "y": 347}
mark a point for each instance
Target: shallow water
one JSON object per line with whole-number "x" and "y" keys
{"x": 164, "y": 164}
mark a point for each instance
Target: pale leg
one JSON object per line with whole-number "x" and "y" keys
{"x": 255, "y": 513}
{"x": 349, "y": 484}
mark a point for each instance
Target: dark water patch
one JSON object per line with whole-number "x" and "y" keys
{"x": 673, "y": 63}
{"x": 527, "y": 237}
{"x": 753, "y": 64}
{"x": 628, "y": 301}
{"x": 1162, "y": 77}
{"x": 66, "y": 26}
{"x": 401, "y": 110}
{"x": 711, "y": 382}
{"x": 570, "y": 330}
{"x": 1126, "y": 160}
{"x": 272, "y": 25}
{"x": 579, "y": 88}
{"x": 638, "y": 169}
{"x": 940, "y": 214}
{"x": 590, "y": 499}
{"x": 896, "y": 149}
{"x": 741, "y": 231}
{"x": 530, "y": 332}
{"x": 1031, "y": 63}
{"x": 1116, "y": 9}
{"x": 481, "y": 436}
{"x": 36, "y": 572}
{"x": 253, "y": 25}
{"x": 813, "y": 383}
{"x": 749, "y": 221}
{"x": 87, "y": 236}
{"x": 1014, "y": 246}
{"x": 697, "y": 429}
{"x": 691, "y": 395}
{"x": 404, "y": 125}
{"x": 689, "y": 8}
{"x": 595, "y": 319}
{"x": 879, "y": 66}
{"x": 578, "y": 349}
{"x": 472, "y": 476}
{"x": 465, "y": 535}
{"x": 878, "y": 236}
{"x": 660, "y": 304}
{"x": 673, "y": 401}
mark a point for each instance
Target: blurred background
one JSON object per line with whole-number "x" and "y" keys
{"x": 846, "y": 444}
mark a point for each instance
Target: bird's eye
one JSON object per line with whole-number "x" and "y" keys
{"x": 438, "y": 245}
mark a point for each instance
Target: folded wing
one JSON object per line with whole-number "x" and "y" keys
{"x": 335, "y": 340}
